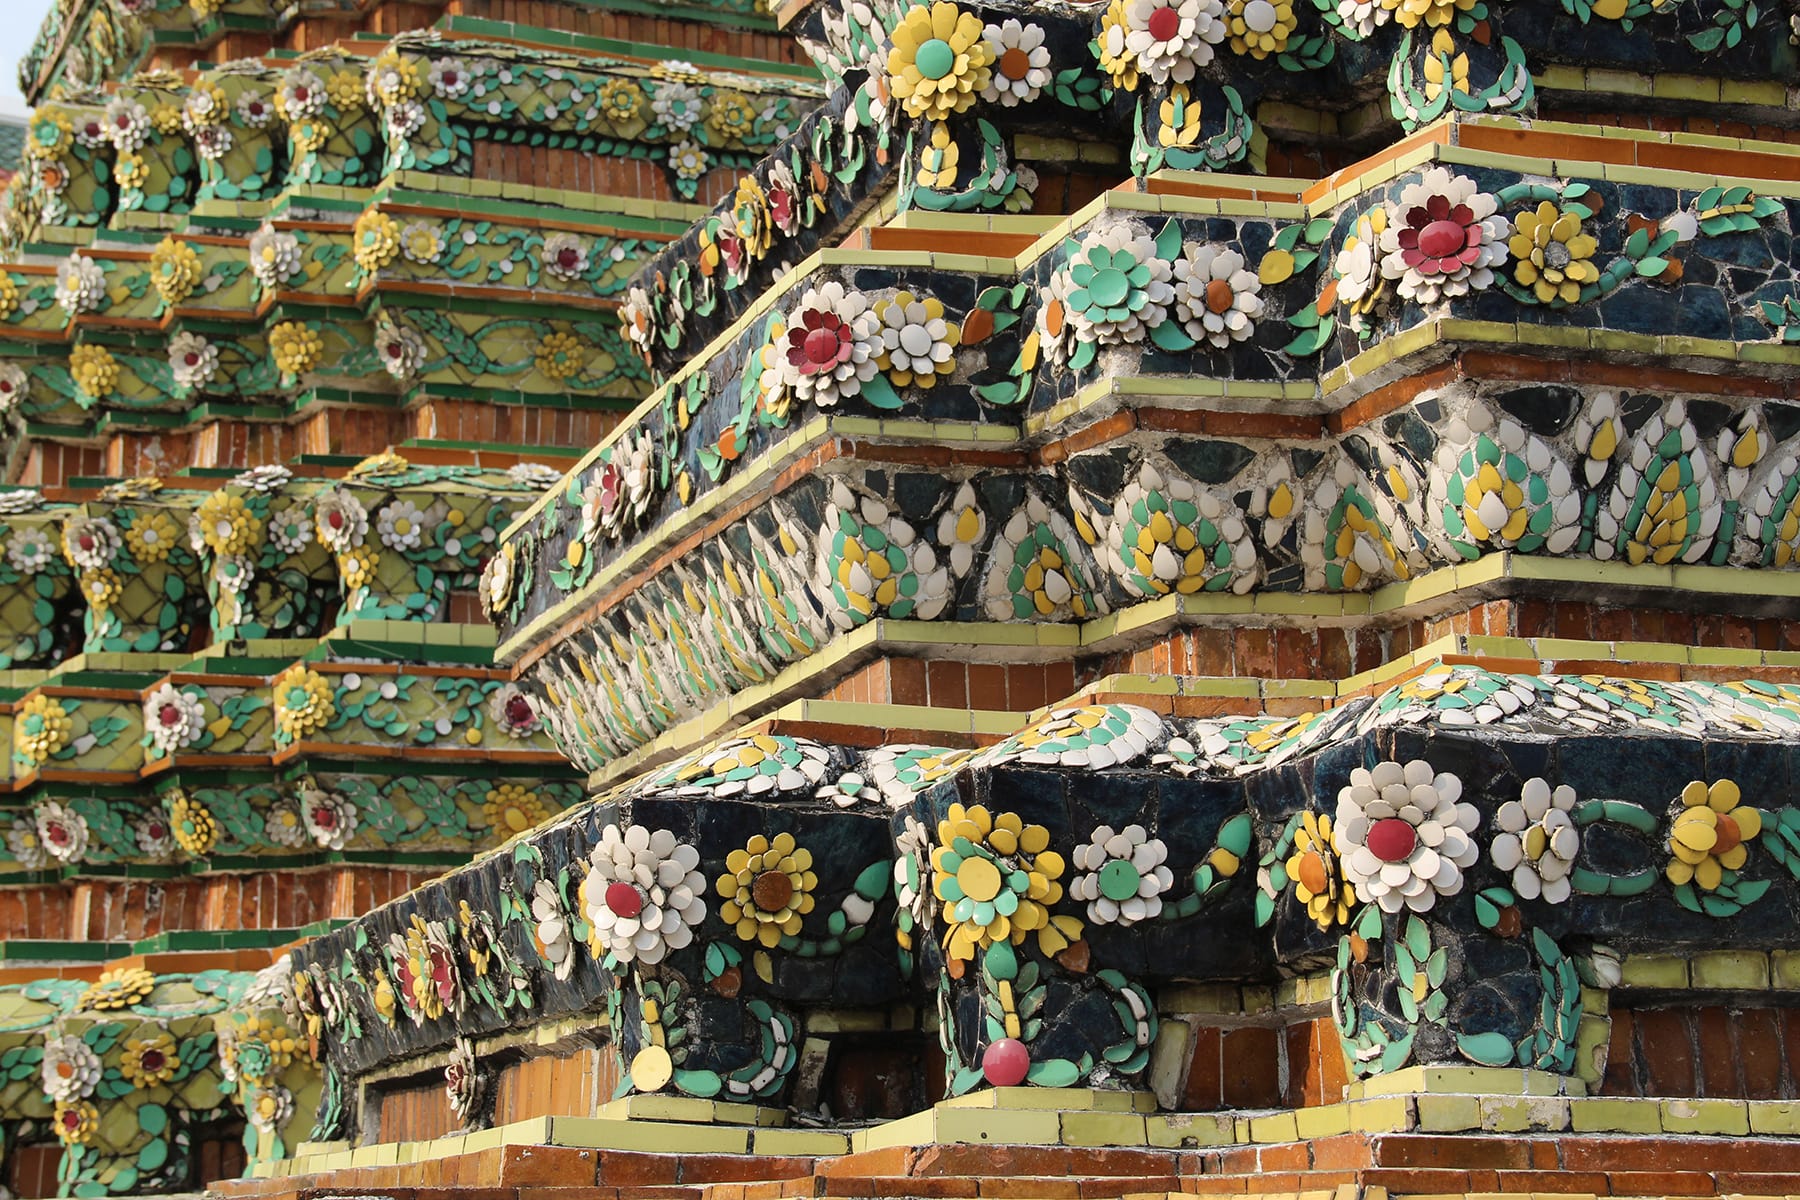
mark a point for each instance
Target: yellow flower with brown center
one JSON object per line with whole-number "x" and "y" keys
{"x": 1313, "y": 870}
{"x": 303, "y": 702}
{"x": 130, "y": 171}
{"x": 149, "y": 1061}
{"x": 1553, "y": 257}
{"x": 41, "y": 728}
{"x": 940, "y": 63}
{"x": 1259, "y": 28}
{"x": 94, "y": 370}
{"x": 767, "y": 888}
{"x": 101, "y": 588}
{"x": 376, "y": 240}
{"x": 152, "y": 535}
{"x": 513, "y": 808}
{"x": 75, "y": 1123}
{"x": 730, "y": 117}
{"x": 195, "y": 829}
{"x": 1711, "y": 834}
{"x": 174, "y": 270}
{"x": 997, "y": 878}
{"x": 296, "y": 348}
{"x": 120, "y": 987}
{"x": 345, "y": 91}
{"x": 227, "y": 525}
{"x": 560, "y": 356}
{"x": 1119, "y": 63}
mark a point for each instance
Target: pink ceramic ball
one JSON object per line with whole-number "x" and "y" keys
{"x": 1005, "y": 1062}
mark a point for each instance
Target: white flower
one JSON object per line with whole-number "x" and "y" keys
{"x": 552, "y": 928}
{"x": 330, "y": 818}
{"x": 15, "y": 385}
{"x": 421, "y": 242}
{"x": 687, "y": 159}
{"x": 565, "y": 256}
{"x": 915, "y": 336}
{"x": 1362, "y": 17}
{"x": 513, "y": 711}
{"x": 23, "y": 843}
{"x": 1125, "y": 875}
{"x": 1538, "y": 841}
{"x": 401, "y": 525}
{"x": 1134, "y": 315}
{"x": 212, "y": 142}
{"x": 1216, "y": 299}
{"x": 192, "y": 359}
{"x": 1442, "y": 238}
{"x": 62, "y": 832}
{"x": 29, "y": 551}
{"x": 1172, "y": 37}
{"x": 234, "y": 573}
{"x": 533, "y": 475}
{"x": 1356, "y": 264}
{"x": 255, "y": 109}
{"x": 1021, "y": 63}
{"x": 202, "y": 109}
{"x": 274, "y": 256}
{"x": 637, "y": 319}
{"x": 70, "y": 1069}
{"x": 404, "y": 119}
{"x": 153, "y": 834}
{"x": 640, "y": 475}
{"x": 400, "y": 349}
{"x": 449, "y": 77}
{"x": 677, "y": 107}
{"x": 20, "y": 500}
{"x": 90, "y": 542}
{"x": 643, "y": 894}
{"x": 302, "y": 94}
{"x": 462, "y": 1080}
{"x": 291, "y": 529}
{"x": 284, "y": 825}
{"x": 497, "y": 584}
{"x": 173, "y": 718}
{"x": 127, "y": 124}
{"x": 269, "y": 1108}
{"x": 80, "y": 284}
{"x": 831, "y": 345}
{"x": 268, "y": 478}
{"x": 1403, "y": 836}
{"x": 341, "y": 520}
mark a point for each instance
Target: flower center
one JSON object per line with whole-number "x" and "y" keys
{"x": 1441, "y": 239}
{"x": 567, "y": 257}
{"x": 1119, "y": 880}
{"x": 1260, "y": 16}
{"x": 1165, "y": 24}
{"x": 772, "y": 891}
{"x": 170, "y": 715}
{"x": 979, "y": 879}
{"x": 1312, "y": 874}
{"x": 1392, "y": 839}
{"x": 822, "y": 345}
{"x": 1110, "y": 286}
{"x": 518, "y": 710}
{"x": 1218, "y": 296}
{"x": 1556, "y": 255}
{"x": 190, "y": 358}
{"x": 1728, "y": 833}
{"x": 624, "y": 899}
{"x": 1015, "y": 63}
{"x": 152, "y": 1060}
{"x": 935, "y": 59}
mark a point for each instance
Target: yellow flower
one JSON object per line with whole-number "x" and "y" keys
{"x": 1437, "y": 78}
{"x": 303, "y": 702}
{"x": 1119, "y": 63}
{"x": 730, "y": 117}
{"x": 938, "y": 159}
{"x": 174, "y": 270}
{"x": 345, "y": 91}
{"x": 750, "y": 213}
{"x": 227, "y": 525}
{"x": 151, "y": 536}
{"x": 295, "y": 347}
{"x": 622, "y": 101}
{"x": 396, "y": 78}
{"x": 1554, "y": 258}
{"x": 205, "y": 9}
{"x": 1711, "y": 835}
{"x": 94, "y": 369}
{"x": 767, "y": 888}
{"x": 560, "y": 356}
{"x": 425, "y": 996}
{"x": 51, "y": 134}
{"x": 1313, "y": 870}
{"x": 41, "y": 728}
{"x": 383, "y": 996}
{"x": 1435, "y": 14}
{"x": 270, "y": 1034}
{"x": 149, "y": 1061}
{"x": 9, "y": 296}
{"x": 376, "y": 238}
{"x": 513, "y": 808}
{"x": 940, "y": 62}
{"x": 131, "y": 171}
{"x": 195, "y": 829}
{"x": 101, "y": 588}
{"x": 1275, "y": 16}
{"x": 210, "y": 114}
{"x": 120, "y": 987}
{"x": 357, "y": 568}
{"x": 75, "y": 1123}
{"x": 1180, "y": 118}
{"x": 165, "y": 119}
{"x": 997, "y": 878}
{"x": 309, "y": 135}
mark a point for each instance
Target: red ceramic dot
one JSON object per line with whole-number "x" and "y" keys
{"x": 624, "y": 899}
{"x": 567, "y": 257}
{"x": 518, "y": 710}
{"x": 152, "y": 1060}
{"x": 190, "y": 358}
{"x": 1006, "y": 1061}
{"x": 1392, "y": 839}
{"x": 336, "y": 519}
{"x": 1165, "y": 23}
{"x": 822, "y": 345}
{"x": 87, "y": 541}
{"x": 1441, "y": 239}
{"x": 170, "y": 715}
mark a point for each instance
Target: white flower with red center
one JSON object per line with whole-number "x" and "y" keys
{"x": 90, "y": 542}
{"x": 173, "y": 718}
{"x": 832, "y": 345}
{"x": 62, "y": 831}
{"x": 70, "y": 1069}
{"x": 302, "y": 95}
{"x": 15, "y": 385}
{"x": 449, "y": 77}
{"x": 330, "y": 818}
{"x": 212, "y": 142}
{"x": 513, "y": 712}
{"x": 565, "y": 256}
{"x": 1021, "y": 63}
{"x": 91, "y": 133}
{"x": 643, "y": 894}
{"x": 192, "y": 359}
{"x": 1170, "y": 38}
{"x": 341, "y": 520}
{"x": 255, "y": 109}
{"x": 1403, "y": 836}
{"x": 400, "y": 349}
{"x": 404, "y": 118}
{"x": 1442, "y": 239}
{"x": 127, "y": 124}
{"x": 1217, "y": 299}
{"x": 784, "y": 198}
{"x": 154, "y": 836}
{"x": 1538, "y": 841}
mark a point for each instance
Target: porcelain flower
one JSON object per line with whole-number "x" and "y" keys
{"x": 643, "y": 894}
{"x": 1123, "y": 875}
{"x": 1404, "y": 836}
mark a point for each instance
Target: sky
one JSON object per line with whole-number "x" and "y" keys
{"x": 23, "y": 19}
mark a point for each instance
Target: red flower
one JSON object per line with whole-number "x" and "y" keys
{"x": 1440, "y": 238}
{"x": 819, "y": 343}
